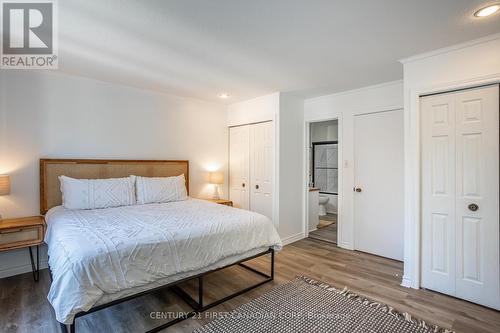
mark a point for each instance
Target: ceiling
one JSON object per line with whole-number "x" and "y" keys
{"x": 247, "y": 48}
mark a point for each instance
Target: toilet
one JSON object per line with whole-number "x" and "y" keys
{"x": 323, "y": 200}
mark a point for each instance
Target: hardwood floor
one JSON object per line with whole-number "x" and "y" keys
{"x": 327, "y": 219}
{"x": 24, "y": 307}
{"x": 326, "y": 234}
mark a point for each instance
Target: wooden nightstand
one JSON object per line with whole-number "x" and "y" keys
{"x": 221, "y": 201}
{"x": 21, "y": 233}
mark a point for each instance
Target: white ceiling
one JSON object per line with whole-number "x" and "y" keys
{"x": 200, "y": 48}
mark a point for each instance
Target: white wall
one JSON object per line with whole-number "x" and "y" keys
{"x": 255, "y": 110}
{"x": 344, "y": 106}
{"x": 46, "y": 114}
{"x": 465, "y": 65}
{"x": 292, "y": 182}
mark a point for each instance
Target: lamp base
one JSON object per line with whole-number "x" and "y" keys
{"x": 216, "y": 193}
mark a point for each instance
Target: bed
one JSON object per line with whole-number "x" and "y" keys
{"x": 102, "y": 257}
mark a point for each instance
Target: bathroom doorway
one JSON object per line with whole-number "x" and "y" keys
{"x": 323, "y": 180}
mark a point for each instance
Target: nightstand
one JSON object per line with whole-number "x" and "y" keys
{"x": 23, "y": 232}
{"x": 221, "y": 201}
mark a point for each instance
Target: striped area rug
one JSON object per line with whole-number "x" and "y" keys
{"x": 307, "y": 306}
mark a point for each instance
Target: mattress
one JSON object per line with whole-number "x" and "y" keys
{"x": 99, "y": 255}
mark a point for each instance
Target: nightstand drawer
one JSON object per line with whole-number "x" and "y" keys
{"x": 20, "y": 237}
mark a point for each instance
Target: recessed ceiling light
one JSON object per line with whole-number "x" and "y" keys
{"x": 487, "y": 11}
{"x": 224, "y": 96}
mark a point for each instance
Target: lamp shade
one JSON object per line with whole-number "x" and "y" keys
{"x": 216, "y": 178}
{"x": 4, "y": 184}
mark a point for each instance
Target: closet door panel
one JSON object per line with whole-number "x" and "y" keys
{"x": 477, "y": 180}
{"x": 262, "y": 168}
{"x": 239, "y": 163}
{"x": 438, "y": 193}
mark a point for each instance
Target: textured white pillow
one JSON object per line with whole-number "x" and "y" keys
{"x": 97, "y": 193}
{"x": 160, "y": 189}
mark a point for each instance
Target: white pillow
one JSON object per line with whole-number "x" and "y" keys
{"x": 160, "y": 189}
{"x": 97, "y": 193}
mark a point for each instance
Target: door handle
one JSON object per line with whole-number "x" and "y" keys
{"x": 257, "y": 187}
{"x": 357, "y": 189}
{"x": 473, "y": 207}
{"x": 242, "y": 184}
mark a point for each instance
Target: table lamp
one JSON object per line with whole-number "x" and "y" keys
{"x": 216, "y": 178}
{"x": 4, "y": 186}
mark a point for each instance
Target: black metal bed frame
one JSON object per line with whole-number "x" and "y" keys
{"x": 35, "y": 269}
{"x": 197, "y": 306}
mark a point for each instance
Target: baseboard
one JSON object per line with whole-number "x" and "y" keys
{"x": 346, "y": 245}
{"x": 293, "y": 238}
{"x": 16, "y": 262}
{"x": 313, "y": 229}
{"x": 406, "y": 282}
{"x": 16, "y": 270}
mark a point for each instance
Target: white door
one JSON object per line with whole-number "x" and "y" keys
{"x": 239, "y": 162}
{"x": 438, "y": 193}
{"x": 378, "y": 176}
{"x": 460, "y": 199}
{"x": 262, "y": 168}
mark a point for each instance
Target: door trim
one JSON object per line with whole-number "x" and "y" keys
{"x": 459, "y": 89}
{"x": 254, "y": 123}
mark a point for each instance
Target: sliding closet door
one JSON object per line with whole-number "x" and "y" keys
{"x": 460, "y": 199}
{"x": 262, "y": 168}
{"x": 239, "y": 162}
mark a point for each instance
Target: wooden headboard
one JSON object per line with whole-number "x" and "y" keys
{"x": 51, "y": 169}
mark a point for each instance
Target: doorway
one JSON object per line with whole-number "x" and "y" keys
{"x": 323, "y": 180}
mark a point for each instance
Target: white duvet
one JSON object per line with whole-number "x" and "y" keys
{"x": 93, "y": 253}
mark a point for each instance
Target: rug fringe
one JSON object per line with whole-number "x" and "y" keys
{"x": 371, "y": 303}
